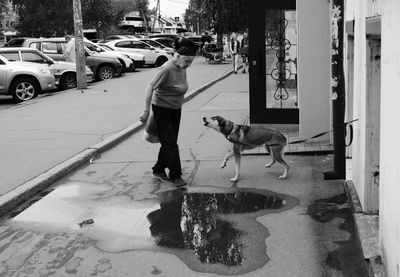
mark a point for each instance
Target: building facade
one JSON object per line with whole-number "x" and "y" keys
{"x": 373, "y": 70}
{"x": 167, "y": 25}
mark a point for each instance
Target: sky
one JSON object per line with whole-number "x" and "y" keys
{"x": 171, "y": 8}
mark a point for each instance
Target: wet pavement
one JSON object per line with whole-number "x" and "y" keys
{"x": 112, "y": 218}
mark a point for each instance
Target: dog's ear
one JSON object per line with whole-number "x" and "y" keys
{"x": 221, "y": 122}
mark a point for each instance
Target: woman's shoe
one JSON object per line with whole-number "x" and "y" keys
{"x": 161, "y": 175}
{"x": 179, "y": 182}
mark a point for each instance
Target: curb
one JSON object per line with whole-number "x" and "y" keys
{"x": 374, "y": 263}
{"x": 17, "y": 196}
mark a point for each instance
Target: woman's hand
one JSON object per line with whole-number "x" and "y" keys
{"x": 143, "y": 118}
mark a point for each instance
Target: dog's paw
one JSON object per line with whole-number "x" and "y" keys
{"x": 270, "y": 164}
{"x": 223, "y": 165}
{"x": 282, "y": 177}
{"x": 234, "y": 179}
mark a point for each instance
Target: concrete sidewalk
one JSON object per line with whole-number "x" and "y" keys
{"x": 45, "y": 139}
{"x": 259, "y": 226}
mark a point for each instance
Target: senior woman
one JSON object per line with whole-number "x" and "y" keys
{"x": 165, "y": 94}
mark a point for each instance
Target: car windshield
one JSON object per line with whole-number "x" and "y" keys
{"x": 153, "y": 43}
{"x": 93, "y": 47}
{"x": 15, "y": 42}
{"x": 106, "y": 47}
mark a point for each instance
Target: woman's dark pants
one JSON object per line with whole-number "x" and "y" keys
{"x": 167, "y": 121}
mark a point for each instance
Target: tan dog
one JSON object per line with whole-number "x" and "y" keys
{"x": 249, "y": 137}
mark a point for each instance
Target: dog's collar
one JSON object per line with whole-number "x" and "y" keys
{"x": 228, "y": 132}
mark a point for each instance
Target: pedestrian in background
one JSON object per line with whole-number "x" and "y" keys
{"x": 165, "y": 93}
{"x": 69, "y": 53}
{"x": 244, "y": 48}
{"x": 234, "y": 48}
{"x": 206, "y": 38}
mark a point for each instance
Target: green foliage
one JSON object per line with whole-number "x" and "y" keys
{"x": 223, "y": 16}
{"x": 3, "y": 7}
{"x": 55, "y": 17}
{"x": 44, "y": 18}
{"x": 123, "y": 7}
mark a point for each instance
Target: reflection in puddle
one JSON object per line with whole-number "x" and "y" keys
{"x": 192, "y": 221}
{"x": 180, "y": 219}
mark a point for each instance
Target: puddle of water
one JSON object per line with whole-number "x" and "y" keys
{"x": 179, "y": 219}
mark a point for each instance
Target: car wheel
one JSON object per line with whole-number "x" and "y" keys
{"x": 161, "y": 60}
{"x": 105, "y": 72}
{"x": 24, "y": 89}
{"x": 68, "y": 81}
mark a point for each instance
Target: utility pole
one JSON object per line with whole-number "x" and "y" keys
{"x": 338, "y": 93}
{"x": 79, "y": 49}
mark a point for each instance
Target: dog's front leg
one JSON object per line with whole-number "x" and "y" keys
{"x": 238, "y": 154}
{"x": 226, "y": 158}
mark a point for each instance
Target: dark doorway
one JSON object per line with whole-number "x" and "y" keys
{"x": 273, "y": 62}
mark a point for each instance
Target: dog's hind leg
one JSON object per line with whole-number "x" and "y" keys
{"x": 277, "y": 151}
{"x": 268, "y": 148}
{"x": 226, "y": 158}
{"x": 237, "y": 149}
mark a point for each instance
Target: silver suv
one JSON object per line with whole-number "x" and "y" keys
{"x": 64, "y": 72}
{"x": 24, "y": 80}
{"x": 103, "y": 67}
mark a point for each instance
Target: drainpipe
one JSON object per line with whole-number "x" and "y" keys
{"x": 338, "y": 93}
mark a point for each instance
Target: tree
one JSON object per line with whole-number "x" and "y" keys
{"x": 99, "y": 15}
{"x": 223, "y": 16}
{"x": 142, "y": 6}
{"x": 195, "y": 17}
{"x": 55, "y": 17}
{"x": 3, "y": 8}
{"x": 44, "y": 18}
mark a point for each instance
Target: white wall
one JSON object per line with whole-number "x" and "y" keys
{"x": 349, "y": 12}
{"x": 374, "y": 7}
{"x": 359, "y": 108}
{"x": 389, "y": 215}
{"x": 314, "y": 67}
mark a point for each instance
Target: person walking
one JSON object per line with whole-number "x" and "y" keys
{"x": 234, "y": 48}
{"x": 165, "y": 93}
{"x": 69, "y": 54}
{"x": 244, "y": 48}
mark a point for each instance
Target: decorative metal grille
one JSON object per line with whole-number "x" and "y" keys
{"x": 281, "y": 71}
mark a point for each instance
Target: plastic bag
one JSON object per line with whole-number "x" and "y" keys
{"x": 150, "y": 131}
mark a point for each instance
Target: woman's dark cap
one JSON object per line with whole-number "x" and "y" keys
{"x": 185, "y": 47}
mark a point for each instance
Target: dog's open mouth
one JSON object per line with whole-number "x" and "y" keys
{"x": 205, "y": 121}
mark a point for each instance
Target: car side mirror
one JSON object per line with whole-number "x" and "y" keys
{"x": 152, "y": 48}
{"x": 49, "y": 62}
{"x": 98, "y": 49}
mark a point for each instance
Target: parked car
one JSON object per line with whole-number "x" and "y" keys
{"x": 63, "y": 72}
{"x": 16, "y": 42}
{"x": 137, "y": 58}
{"x": 170, "y": 36}
{"x": 111, "y": 37}
{"x": 103, "y": 66}
{"x": 24, "y": 80}
{"x": 158, "y": 45}
{"x": 124, "y": 59}
{"x": 153, "y": 57}
{"x": 168, "y": 42}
